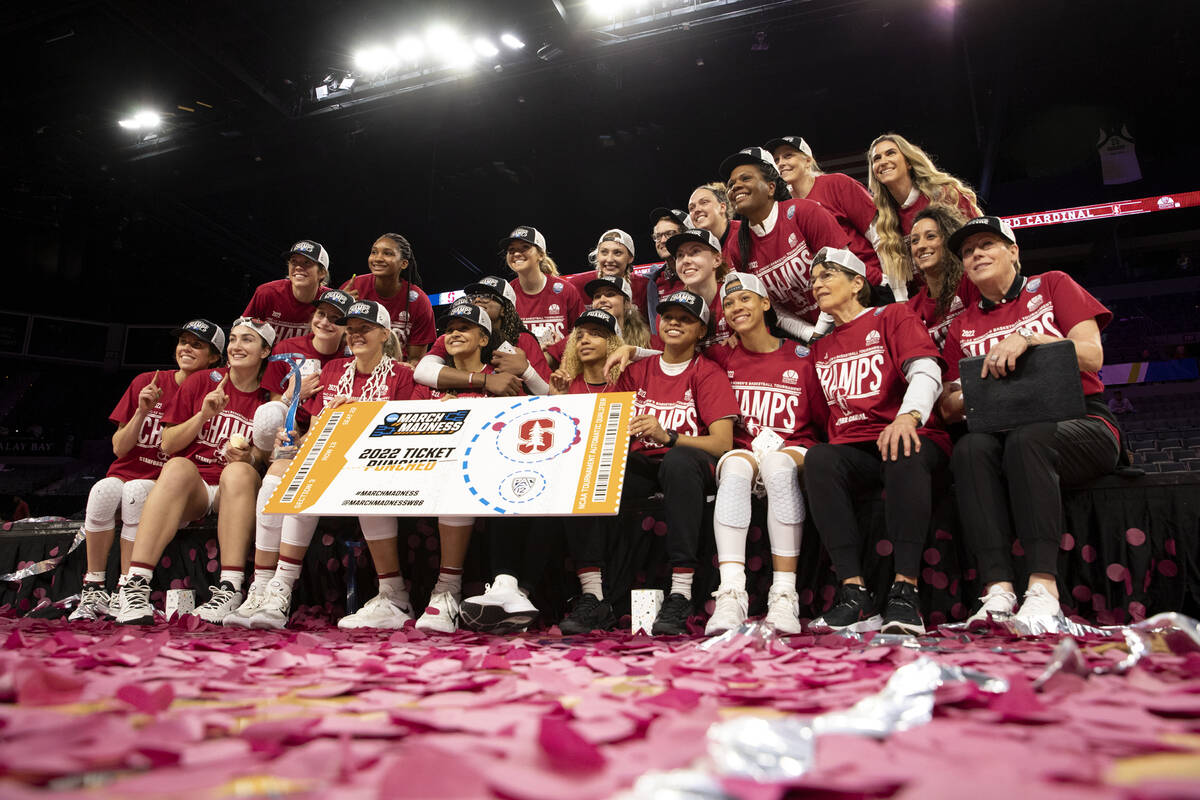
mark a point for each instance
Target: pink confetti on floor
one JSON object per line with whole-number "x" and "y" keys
{"x": 192, "y": 710}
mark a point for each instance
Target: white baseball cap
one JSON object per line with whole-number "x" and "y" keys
{"x": 619, "y": 236}
{"x": 743, "y": 281}
{"x": 261, "y": 327}
{"x": 843, "y": 258}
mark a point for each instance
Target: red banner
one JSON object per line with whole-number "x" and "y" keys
{"x": 1121, "y": 208}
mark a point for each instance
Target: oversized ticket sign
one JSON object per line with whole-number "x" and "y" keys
{"x": 535, "y": 456}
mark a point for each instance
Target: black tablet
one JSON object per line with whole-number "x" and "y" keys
{"x": 1044, "y": 387}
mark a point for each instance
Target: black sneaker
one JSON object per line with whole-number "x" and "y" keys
{"x": 903, "y": 614}
{"x": 672, "y": 617}
{"x": 590, "y": 614}
{"x": 854, "y": 611}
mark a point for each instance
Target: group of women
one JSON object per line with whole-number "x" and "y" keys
{"x": 802, "y": 333}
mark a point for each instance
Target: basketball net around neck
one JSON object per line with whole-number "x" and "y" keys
{"x": 376, "y": 387}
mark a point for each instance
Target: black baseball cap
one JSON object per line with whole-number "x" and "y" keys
{"x": 336, "y": 298}
{"x": 615, "y": 281}
{"x": 490, "y": 284}
{"x": 203, "y": 329}
{"x": 690, "y": 302}
{"x": 471, "y": 313}
{"x": 600, "y": 317}
{"x": 525, "y": 233}
{"x": 994, "y": 225}
{"x": 311, "y": 250}
{"x": 791, "y": 141}
{"x": 750, "y": 155}
{"x": 674, "y": 213}
{"x": 693, "y": 235}
{"x": 370, "y": 311}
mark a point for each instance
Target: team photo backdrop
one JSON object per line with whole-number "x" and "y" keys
{"x": 540, "y": 456}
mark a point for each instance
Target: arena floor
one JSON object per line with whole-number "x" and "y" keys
{"x": 190, "y": 710}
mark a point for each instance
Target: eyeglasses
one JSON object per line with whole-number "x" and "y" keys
{"x": 825, "y": 276}
{"x": 662, "y": 237}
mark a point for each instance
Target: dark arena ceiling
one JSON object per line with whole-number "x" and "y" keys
{"x": 595, "y": 121}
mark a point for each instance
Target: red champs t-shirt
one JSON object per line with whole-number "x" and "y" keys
{"x": 688, "y": 402}
{"x": 146, "y": 459}
{"x": 860, "y": 366}
{"x": 773, "y": 390}
{"x": 525, "y": 341}
{"x": 783, "y": 258}
{"x": 207, "y": 450}
{"x": 925, "y": 307}
{"x": 852, "y": 207}
{"x": 397, "y": 384}
{"x": 410, "y": 309}
{"x": 555, "y": 308}
{"x": 1051, "y": 303}
{"x": 275, "y": 303}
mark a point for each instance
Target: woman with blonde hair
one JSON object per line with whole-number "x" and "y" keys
{"x": 904, "y": 180}
{"x": 708, "y": 208}
{"x": 596, "y": 336}
{"x": 546, "y": 303}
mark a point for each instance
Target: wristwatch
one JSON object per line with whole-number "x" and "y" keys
{"x": 672, "y": 437}
{"x": 1026, "y": 333}
{"x": 916, "y": 415}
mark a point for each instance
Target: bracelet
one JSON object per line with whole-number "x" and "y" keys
{"x": 484, "y": 384}
{"x": 672, "y": 437}
{"x": 470, "y": 379}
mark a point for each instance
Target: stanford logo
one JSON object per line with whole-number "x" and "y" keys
{"x": 535, "y": 436}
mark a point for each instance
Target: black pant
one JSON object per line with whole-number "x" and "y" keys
{"x": 834, "y": 473}
{"x": 1019, "y": 472}
{"x": 685, "y": 476}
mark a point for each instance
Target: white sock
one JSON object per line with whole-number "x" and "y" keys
{"x": 236, "y": 577}
{"x": 733, "y": 576}
{"x": 393, "y": 586}
{"x": 681, "y": 583}
{"x": 262, "y": 576}
{"x": 592, "y": 582}
{"x": 94, "y": 577}
{"x": 447, "y": 582}
{"x": 287, "y": 572}
{"x": 784, "y": 581}
{"x": 141, "y": 572}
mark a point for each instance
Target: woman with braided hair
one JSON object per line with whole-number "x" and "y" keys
{"x": 903, "y": 180}
{"x": 394, "y": 281}
{"x": 375, "y": 372}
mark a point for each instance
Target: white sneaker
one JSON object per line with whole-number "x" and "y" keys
{"x": 783, "y": 610}
{"x": 275, "y": 610}
{"x": 224, "y": 601}
{"x": 997, "y": 601}
{"x": 381, "y": 611}
{"x": 135, "y": 602}
{"x": 1039, "y": 606}
{"x": 240, "y": 617}
{"x": 502, "y": 608}
{"x": 114, "y": 602}
{"x": 441, "y": 615}
{"x": 93, "y": 603}
{"x": 730, "y": 611}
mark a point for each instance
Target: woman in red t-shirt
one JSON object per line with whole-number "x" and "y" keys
{"x": 774, "y": 384}
{"x": 288, "y": 303}
{"x": 944, "y": 292}
{"x": 682, "y": 423}
{"x": 394, "y": 281}
{"x": 903, "y": 180}
{"x": 1009, "y": 484}
{"x": 376, "y": 371}
{"x": 137, "y": 446}
{"x": 881, "y": 375}
{"x": 208, "y": 429}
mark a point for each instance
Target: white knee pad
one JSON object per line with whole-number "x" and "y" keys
{"x": 784, "y": 500}
{"x": 375, "y": 529}
{"x": 735, "y": 480}
{"x": 268, "y": 419}
{"x": 268, "y": 528}
{"x": 457, "y": 522}
{"x": 297, "y": 530}
{"x": 103, "y": 501}
{"x": 133, "y": 500}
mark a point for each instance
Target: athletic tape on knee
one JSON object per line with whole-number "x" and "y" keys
{"x": 103, "y": 501}
{"x": 457, "y": 522}
{"x": 375, "y": 529}
{"x": 297, "y": 530}
{"x": 733, "y": 493}
{"x": 784, "y": 500}
{"x": 268, "y": 528}
{"x": 268, "y": 419}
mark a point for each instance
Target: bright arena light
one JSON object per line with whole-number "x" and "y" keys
{"x": 142, "y": 120}
{"x": 376, "y": 59}
{"x": 485, "y": 48}
{"x": 511, "y": 42}
{"x": 449, "y": 47}
{"x": 410, "y": 49}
